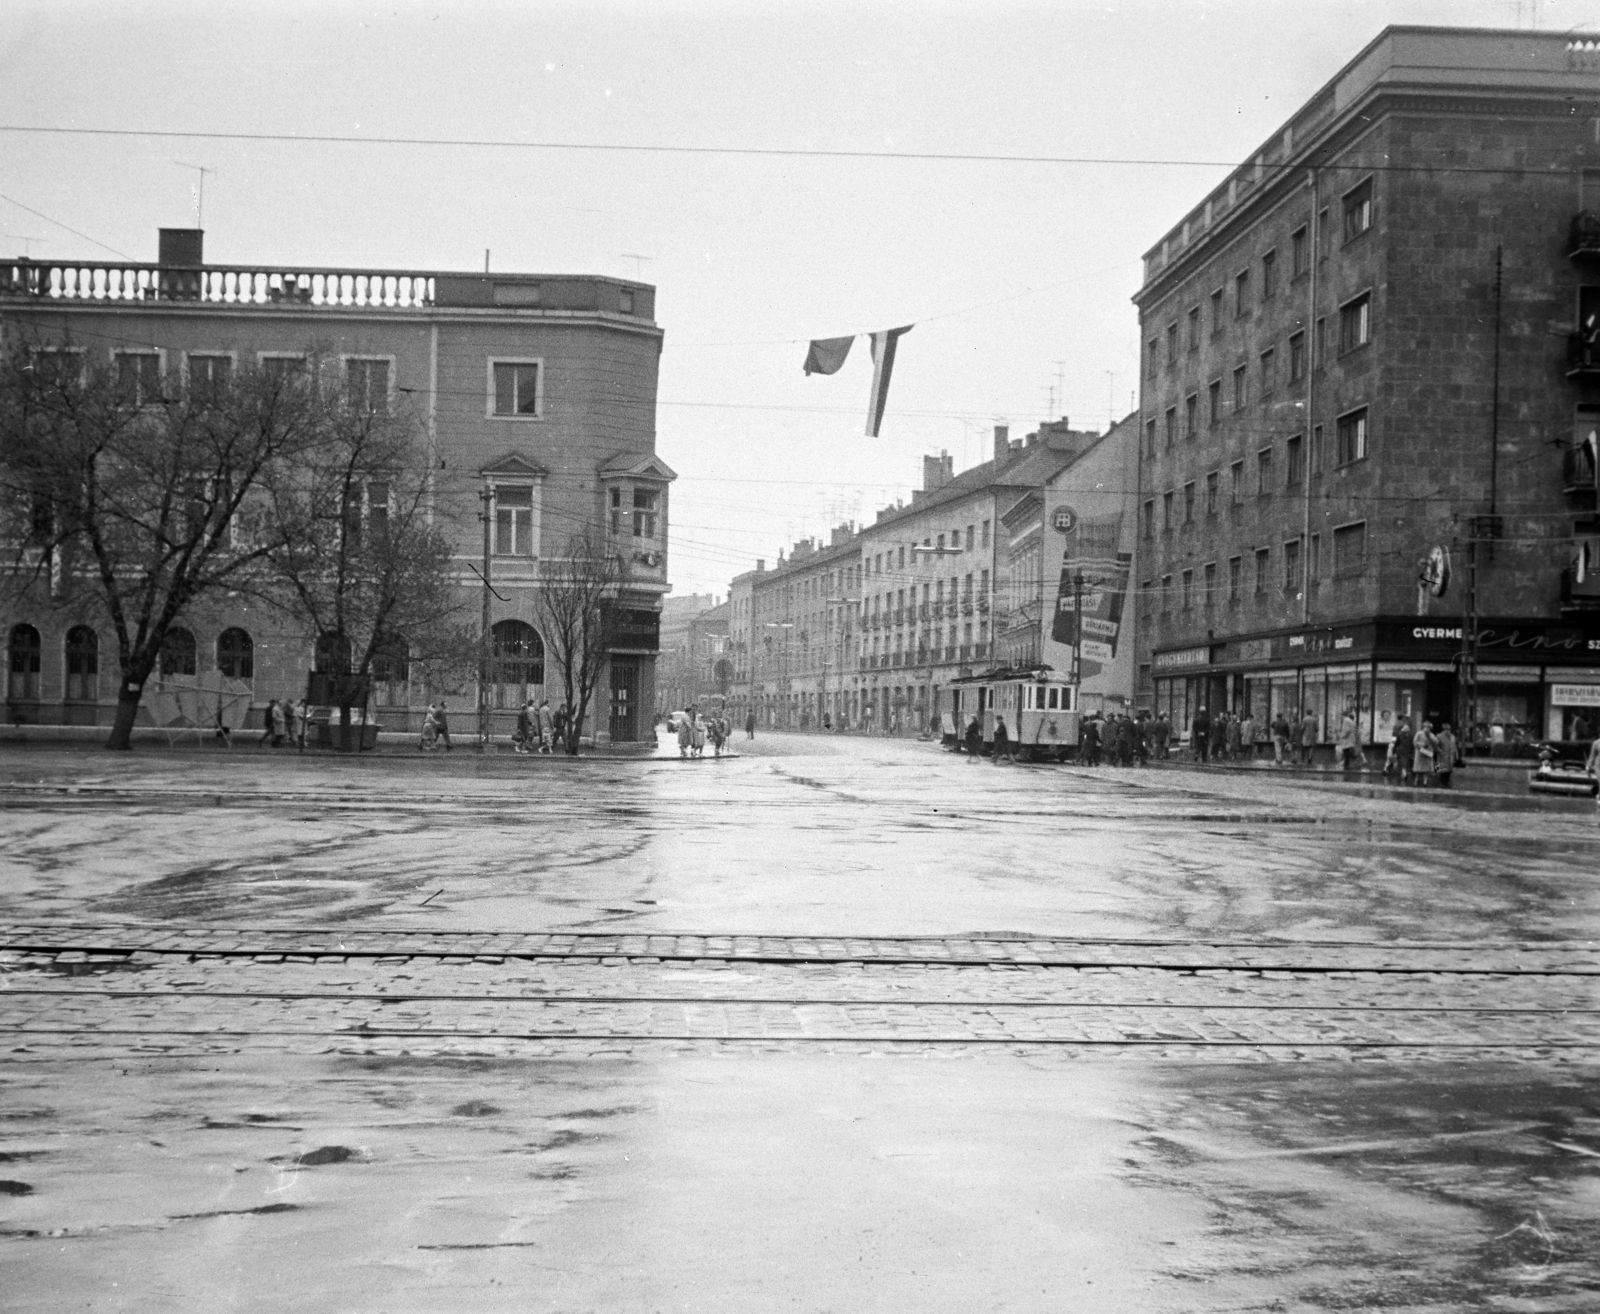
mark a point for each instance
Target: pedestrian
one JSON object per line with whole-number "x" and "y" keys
{"x": 1235, "y": 738}
{"x": 1089, "y": 742}
{"x": 1424, "y": 752}
{"x": 561, "y": 726}
{"x": 430, "y": 730}
{"x": 750, "y": 725}
{"x": 1219, "y": 736}
{"x": 1200, "y": 735}
{"x": 1247, "y": 737}
{"x": 1280, "y": 738}
{"x": 974, "y": 740}
{"x": 699, "y": 734}
{"x": 302, "y": 718}
{"x": 1002, "y": 741}
{"x": 1446, "y": 756}
{"x": 280, "y": 722}
{"x": 1400, "y": 750}
{"x": 1141, "y": 738}
{"x": 524, "y": 731}
{"x": 545, "y": 721}
{"x": 1591, "y": 764}
{"x": 441, "y": 721}
{"x": 266, "y": 722}
{"x": 1348, "y": 744}
{"x": 1163, "y": 735}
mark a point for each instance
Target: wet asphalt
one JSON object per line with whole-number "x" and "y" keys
{"x": 833, "y": 1024}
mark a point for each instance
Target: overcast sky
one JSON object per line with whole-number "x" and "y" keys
{"x": 1016, "y": 275}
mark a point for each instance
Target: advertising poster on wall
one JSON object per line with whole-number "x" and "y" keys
{"x": 1090, "y": 540}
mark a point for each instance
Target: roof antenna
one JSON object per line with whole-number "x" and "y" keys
{"x": 200, "y": 188}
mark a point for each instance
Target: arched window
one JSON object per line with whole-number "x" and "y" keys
{"x": 332, "y": 655}
{"x": 391, "y": 670}
{"x": 177, "y": 653}
{"x": 236, "y": 655}
{"x": 516, "y": 667}
{"x": 83, "y": 665}
{"x": 26, "y": 651}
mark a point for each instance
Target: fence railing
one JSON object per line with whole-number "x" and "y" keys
{"x": 215, "y": 285}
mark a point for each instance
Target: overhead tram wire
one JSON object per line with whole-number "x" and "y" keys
{"x": 774, "y": 152}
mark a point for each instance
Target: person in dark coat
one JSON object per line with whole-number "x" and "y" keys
{"x": 1089, "y": 742}
{"x": 974, "y": 738}
{"x": 1161, "y": 734}
{"x": 442, "y": 726}
{"x": 750, "y": 725}
{"x": 1200, "y": 735}
{"x": 1002, "y": 741}
{"x": 1401, "y": 750}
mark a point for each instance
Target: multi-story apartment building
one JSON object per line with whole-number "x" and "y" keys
{"x": 677, "y": 662}
{"x": 535, "y": 395}
{"x": 1365, "y": 359}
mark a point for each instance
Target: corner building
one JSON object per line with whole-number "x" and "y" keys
{"x": 1369, "y": 352}
{"x": 536, "y": 395}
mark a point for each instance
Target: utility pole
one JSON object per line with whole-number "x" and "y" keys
{"x": 487, "y": 497}
{"x": 1468, "y": 662}
{"x": 1077, "y": 641}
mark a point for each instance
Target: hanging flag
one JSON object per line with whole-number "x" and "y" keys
{"x": 883, "y": 347}
{"x": 827, "y": 355}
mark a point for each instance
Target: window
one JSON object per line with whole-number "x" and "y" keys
{"x": 1166, "y": 512}
{"x": 1236, "y": 473}
{"x": 1235, "y": 577}
{"x": 1172, "y": 426}
{"x": 138, "y": 377}
{"x": 1263, "y": 569}
{"x": 366, "y": 385}
{"x": 1300, "y": 250}
{"x": 26, "y": 658}
{"x": 1269, "y": 362}
{"x": 1314, "y": 456}
{"x": 984, "y": 540}
{"x": 1269, "y": 275}
{"x": 83, "y": 665}
{"x": 1352, "y": 437}
{"x": 1349, "y": 550}
{"x": 1319, "y": 352}
{"x": 1357, "y": 211}
{"x": 1214, "y": 396}
{"x": 1355, "y": 323}
{"x": 1324, "y": 234}
{"x": 1314, "y": 561}
{"x": 1241, "y": 294}
{"x": 625, "y": 300}
{"x": 1241, "y": 389}
{"x": 1216, "y": 311}
{"x": 332, "y": 652}
{"x": 57, "y": 366}
{"x": 513, "y": 519}
{"x": 516, "y": 663}
{"x": 1194, "y": 328}
{"x": 209, "y": 374}
{"x": 278, "y": 367}
{"x": 1208, "y": 597}
{"x": 1188, "y": 503}
{"x": 1172, "y": 343}
{"x": 1188, "y": 590}
{"x": 1291, "y": 566}
{"x": 391, "y": 670}
{"x": 1213, "y": 482}
{"x": 1151, "y": 358}
{"x": 1295, "y": 451}
{"x": 971, "y": 543}
{"x": 515, "y": 389}
{"x": 1150, "y": 437}
{"x": 1297, "y": 357}
{"x": 1150, "y": 518}
{"x": 1166, "y": 595}
{"x": 235, "y": 655}
{"x": 1191, "y": 416}
{"x": 1264, "y": 472}
{"x": 177, "y": 653}
{"x": 378, "y": 508}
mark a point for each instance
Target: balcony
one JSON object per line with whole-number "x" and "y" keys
{"x": 1580, "y": 595}
{"x": 1578, "y": 474}
{"x": 1584, "y": 241}
{"x": 1583, "y": 357}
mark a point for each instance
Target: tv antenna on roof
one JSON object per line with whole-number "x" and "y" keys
{"x": 200, "y": 188}
{"x": 638, "y": 263}
{"x": 27, "y": 242}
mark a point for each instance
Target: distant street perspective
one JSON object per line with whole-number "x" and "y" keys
{"x": 891, "y": 1026}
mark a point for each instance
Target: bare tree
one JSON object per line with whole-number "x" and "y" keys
{"x": 356, "y": 558}
{"x": 577, "y": 612}
{"x": 135, "y": 498}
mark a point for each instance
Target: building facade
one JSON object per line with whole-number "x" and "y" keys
{"x": 1366, "y": 394}
{"x": 536, "y": 398}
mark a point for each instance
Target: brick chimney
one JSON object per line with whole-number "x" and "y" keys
{"x": 180, "y": 248}
{"x": 937, "y": 471}
{"x": 1002, "y": 443}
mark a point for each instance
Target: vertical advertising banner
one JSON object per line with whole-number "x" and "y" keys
{"x": 1091, "y": 538}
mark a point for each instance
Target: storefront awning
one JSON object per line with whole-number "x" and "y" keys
{"x": 1412, "y": 670}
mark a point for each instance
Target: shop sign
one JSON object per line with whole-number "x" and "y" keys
{"x": 1575, "y": 695}
{"x": 1495, "y": 636}
{"x": 1183, "y": 657}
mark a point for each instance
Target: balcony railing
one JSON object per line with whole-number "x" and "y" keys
{"x": 1578, "y": 473}
{"x": 1583, "y": 356}
{"x": 1584, "y": 242}
{"x": 218, "y": 285}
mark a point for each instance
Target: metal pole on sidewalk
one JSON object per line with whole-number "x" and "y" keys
{"x": 487, "y": 497}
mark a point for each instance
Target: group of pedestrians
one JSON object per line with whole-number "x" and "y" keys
{"x": 1121, "y": 740}
{"x": 695, "y": 731}
{"x": 539, "y": 730}
{"x": 1423, "y": 756}
{"x": 282, "y": 723}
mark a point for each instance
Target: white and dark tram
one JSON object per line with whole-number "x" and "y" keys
{"x": 1039, "y": 705}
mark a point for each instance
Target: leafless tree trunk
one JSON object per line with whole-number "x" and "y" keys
{"x": 576, "y": 609}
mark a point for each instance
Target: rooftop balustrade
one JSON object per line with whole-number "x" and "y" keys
{"x": 214, "y": 284}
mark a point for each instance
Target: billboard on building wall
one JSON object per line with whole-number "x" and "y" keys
{"x": 1089, "y": 558}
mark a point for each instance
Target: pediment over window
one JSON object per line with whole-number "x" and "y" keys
{"x": 638, "y": 465}
{"x": 513, "y": 466}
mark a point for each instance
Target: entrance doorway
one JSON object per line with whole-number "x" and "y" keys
{"x": 624, "y": 699}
